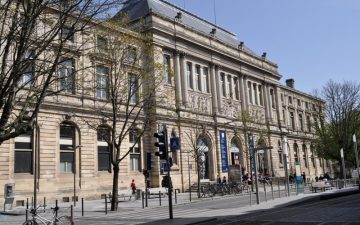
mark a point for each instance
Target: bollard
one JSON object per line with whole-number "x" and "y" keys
{"x": 44, "y": 204}
{"x": 56, "y": 206}
{"x": 105, "y": 205}
{"x": 82, "y": 206}
{"x": 265, "y": 192}
{"x": 279, "y": 188}
{"x": 27, "y": 203}
{"x": 26, "y": 214}
{"x": 175, "y": 197}
{"x": 250, "y": 198}
{"x": 146, "y": 198}
{"x": 160, "y": 198}
{"x": 142, "y": 199}
{"x": 272, "y": 191}
{"x": 32, "y": 203}
{"x": 72, "y": 214}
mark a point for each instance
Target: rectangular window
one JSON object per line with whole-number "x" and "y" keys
{"x": 197, "y": 78}
{"x": 229, "y": 88}
{"x": 101, "y": 82}
{"x": 23, "y": 153}
{"x": 306, "y": 105}
{"x": 290, "y": 100}
{"x": 67, "y": 141}
{"x": 67, "y": 34}
{"x": 301, "y": 122}
{"x": 260, "y": 95}
{"x": 29, "y": 66}
{"x": 299, "y": 103}
{"x": 292, "y": 120}
{"x": 103, "y": 136}
{"x": 205, "y": 80}
{"x": 236, "y": 88}
{"x": 189, "y": 75}
{"x": 255, "y": 95}
{"x": 272, "y": 99}
{"x": 222, "y": 82}
{"x": 250, "y": 92}
{"x": 135, "y": 152}
{"x": 66, "y": 76}
{"x": 166, "y": 69}
{"x": 102, "y": 44}
{"x": 133, "y": 89}
{"x": 308, "y": 123}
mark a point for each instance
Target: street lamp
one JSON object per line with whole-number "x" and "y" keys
{"x": 356, "y": 157}
{"x": 74, "y": 168}
{"x": 188, "y": 161}
{"x": 285, "y": 156}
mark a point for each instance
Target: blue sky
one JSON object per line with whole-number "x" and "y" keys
{"x": 312, "y": 41}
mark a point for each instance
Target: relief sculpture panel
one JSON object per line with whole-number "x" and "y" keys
{"x": 200, "y": 103}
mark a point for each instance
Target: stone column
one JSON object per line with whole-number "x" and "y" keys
{"x": 184, "y": 87}
{"x": 177, "y": 79}
{"x": 278, "y": 106}
{"x": 213, "y": 88}
{"x": 218, "y": 89}
{"x": 265, "y": 100}
{"x": 244, "y": 93}
{"x": 232, "y": 87}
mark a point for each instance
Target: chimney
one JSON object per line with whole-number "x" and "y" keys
{"x": 290, "y": 83}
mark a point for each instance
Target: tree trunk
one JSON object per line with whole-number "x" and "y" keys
{"x": 114, "y": 200}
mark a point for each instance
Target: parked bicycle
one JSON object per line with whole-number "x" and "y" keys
{"x": 54, "y": 220}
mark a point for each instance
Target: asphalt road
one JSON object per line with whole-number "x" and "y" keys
{"x": 336, "y": 211}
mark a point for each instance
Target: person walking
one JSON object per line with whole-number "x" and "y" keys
{"x": 304, "y": 178}
{"x": 133, "y": 187}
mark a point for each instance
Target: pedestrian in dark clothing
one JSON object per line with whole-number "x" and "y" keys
{"x": 218, "y": 179}
{"x": 303, "y": 178}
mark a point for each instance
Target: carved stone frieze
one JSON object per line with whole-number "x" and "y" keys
{"x": 231, "y": 108}
{"x": 200, "y": 103}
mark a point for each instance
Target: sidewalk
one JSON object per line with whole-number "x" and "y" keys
{"x": 131, "y": 212}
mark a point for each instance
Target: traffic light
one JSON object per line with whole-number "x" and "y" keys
{"x": 161, "y": 144}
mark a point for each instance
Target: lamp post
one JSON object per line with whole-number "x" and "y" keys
{"x": 356, "y": 157}
{"x": 188, "y": 153}
{"x": 74, "y": 168}
{"x": 343, "y": 163}
{"x": 285, "y": 156}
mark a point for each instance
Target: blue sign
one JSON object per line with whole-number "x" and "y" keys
{"x": 166, "y": 167}
{"x": 251, "y": 149}
{"x": 223, "y": 148}
{"x": 174, "y": 143}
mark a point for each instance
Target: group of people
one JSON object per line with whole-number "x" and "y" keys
{"x": 324, "y": 177}
{"x": 219, "y": 181}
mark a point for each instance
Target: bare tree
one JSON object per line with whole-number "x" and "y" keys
{"x": 35, "y": 38}
{"x": 127, "y": 79}
{"x": 338, "y": 121}
{"x": 194, "y": 137}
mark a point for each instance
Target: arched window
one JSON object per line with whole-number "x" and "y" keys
{"x": 203, "y": 157}
{"x": 305, "y": 155}
{"x": 235, "y": 150}
{"x": 103, "y": 139}
{"x": 67, "y": 146}
{"x": 23, "y": 162}
{"x": 312, "y": 156}
{"x": 296, "y": 153}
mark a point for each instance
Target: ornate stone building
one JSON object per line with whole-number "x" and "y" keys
{"x": 217, "y": 91}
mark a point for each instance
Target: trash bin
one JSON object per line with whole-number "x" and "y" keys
{"x": 138, "y": 194}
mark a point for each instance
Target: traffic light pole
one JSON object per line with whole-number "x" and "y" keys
{"x": 170, "y": 182}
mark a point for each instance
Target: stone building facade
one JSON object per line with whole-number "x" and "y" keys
{"x": 214, "y": 85}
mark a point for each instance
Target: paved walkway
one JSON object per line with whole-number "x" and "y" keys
{"x": 185, "y": 212}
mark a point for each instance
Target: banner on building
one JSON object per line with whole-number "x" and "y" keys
{"x": 223, "y": 147}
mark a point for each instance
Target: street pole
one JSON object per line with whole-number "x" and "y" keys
{"x": 253, "y": 159}
{"x": 343, "y": 163}
{"x": 170, "y": 182}
{"x": 356, "y": 157}
{"x": 189, "y": 176}
{"x": 256, "y": 177}
{"x": 76, "y": 147}
{"x": 36, "y": 152}
{"x": 285, "y": 156}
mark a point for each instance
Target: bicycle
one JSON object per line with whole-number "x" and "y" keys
{"x": 55, "y": 220}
